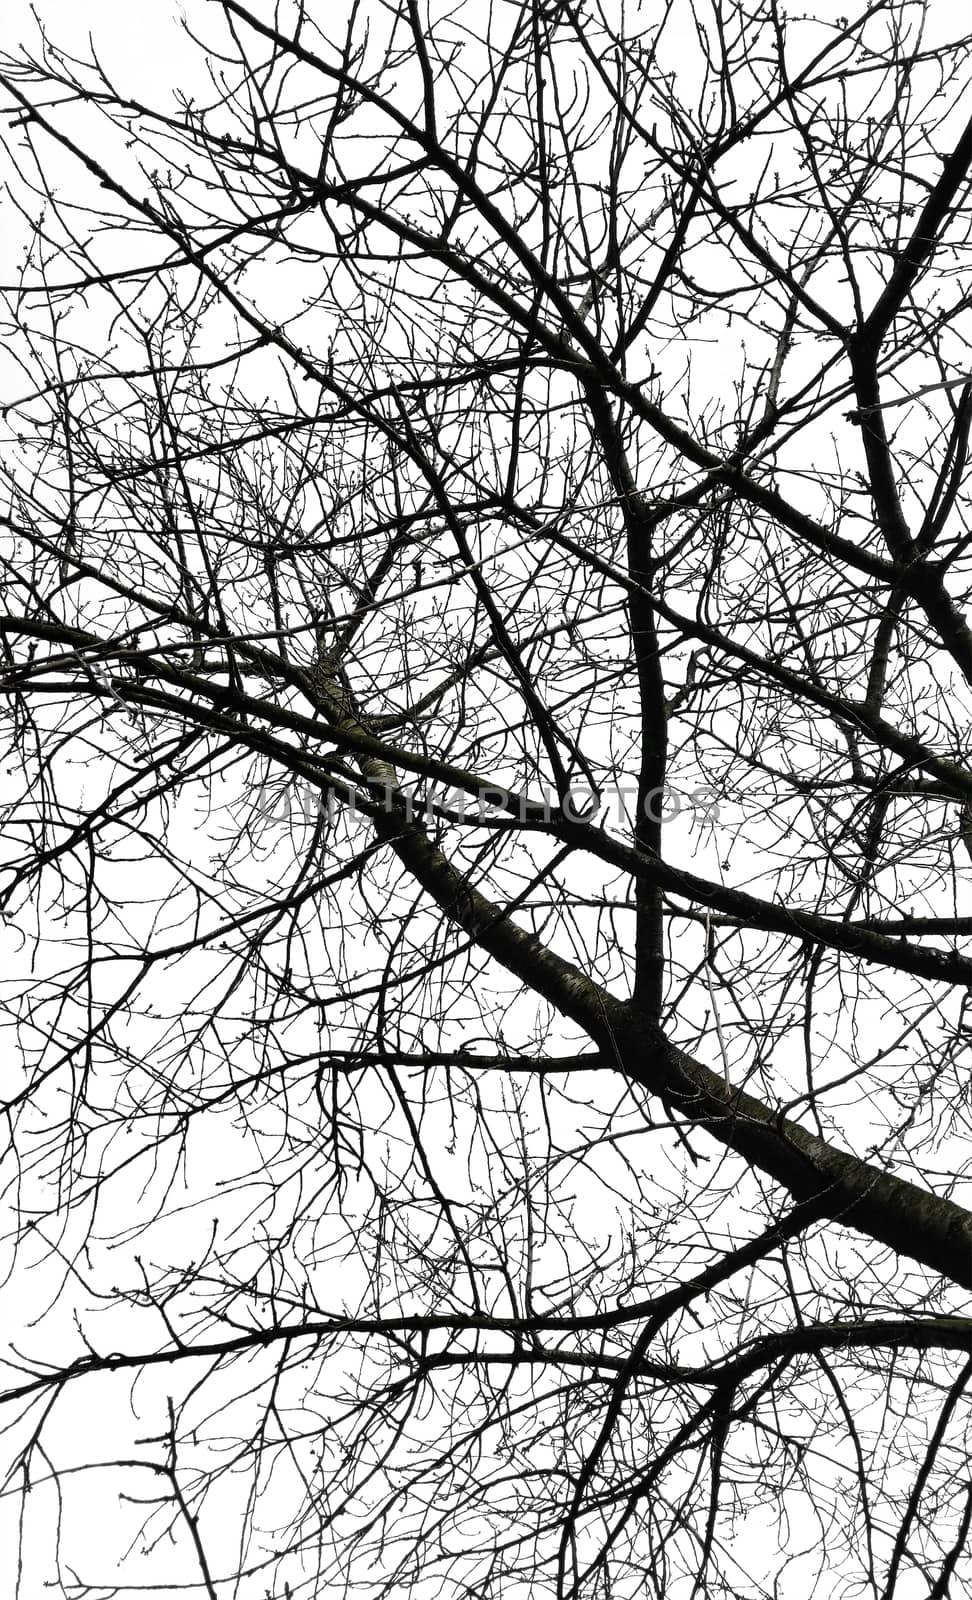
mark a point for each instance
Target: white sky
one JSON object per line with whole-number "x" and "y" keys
{"x": 144, "y": 48}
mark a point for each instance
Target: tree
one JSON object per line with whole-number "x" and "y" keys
{"x": 486, "y": 690}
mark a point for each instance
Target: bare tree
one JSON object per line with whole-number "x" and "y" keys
{"x": 489, "y": 805}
